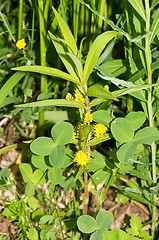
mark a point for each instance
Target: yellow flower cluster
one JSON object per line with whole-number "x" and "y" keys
{"x": 99, "y": 130}
{"x": 21, "y": 44}
{"x": 88, "y": 118}
{"x": 81, "y": 158}
{"x": 78, "y": 96}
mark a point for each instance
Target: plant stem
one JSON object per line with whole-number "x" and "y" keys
{"x": 111, "y": 179}
{"x": 85, "y": 193}
{"x": 150, "y": 110}
{"x": 20, "y": 19}
{"x": 43, "y": 86}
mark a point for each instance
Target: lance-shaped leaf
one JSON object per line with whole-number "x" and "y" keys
{"x": 48, "y": 71}
{"x": 53, "y": 102}
{"x": 141, "y": 73}
{"x": 66, "y": 33}
{"x": 138, "y": 6}
{"x": 155, "y": 26}
{"x": 63, "y": 54}
{"x": 124, "y": 91}
{"x": 95, "y": 51}
{"x": 100, "y": 92}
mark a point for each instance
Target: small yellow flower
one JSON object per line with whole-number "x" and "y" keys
{"x": 69, "y": 96}
{"x": 78, "y": 96}
{"x": 99, "y": 130}
{"x": 21, "y": 44}
{"x": 88, "y": 118}
{"x": 81, "y": 158}
{"x": 106, "y": 87}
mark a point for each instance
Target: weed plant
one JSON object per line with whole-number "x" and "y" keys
{"x": 92, "y": 75}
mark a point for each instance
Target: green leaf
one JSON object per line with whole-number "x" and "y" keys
{"x": 10, "y": 100}
{"x": 97, "y": 235}
{"x": 115, "y": 66}
{"x": 62, "y": 133}
{"x": 124, "y": 91}
{"x": 33, "y": 203}
{"x": 100, "y": 92}
{"x": 135, "y": 196}
{"x": 136, "y": 225}
{"x": 96, "y": 141}
{"x": 57, "y": 156}
{"x": 53, "y": 102}
{"x": 38, "y": 177}
{"x": 136, "y": 118}
{"x": 4, "y": 52}
{"x": 86, "y": 224}
{"x": 102, "y": 116}
{"x": 6, "y": 23}
{"x": 122, "y": 130}
{"x": 77, "y": 64}
{"x": 104, "y": 220}
{"x": 155, "y": 4}
{"x": 69, "y": 39}
{"x": 138, "y": 6}
{"x": 4, "y": 173}
{"x": 32, "y": 234}
{"x": 65, "y": 57}
{"x": 154, "y": 26}
{"x": 51, "y": 234}
{"x": 30, "y": 189}
{"x": 48, "y": 71}
{"x": 55, "y": 175}
{"x": 26, "y": 171}
{"x": 41, "y": 162}
{"x": 117, "y": 234}
{"x": 46, "y": 219}
{"x": 141, "y": 73}
{"x": 97, "y": 162}
{"x": 42, "y": 146}
{"x": 125, "y": 151}
{"x": 68, "y": 158}
{"x": 117, "y": 81}
{"x": 120, "y": 198}
{"x": 36, "y": 215}
{"x": 146, "y": 135}
{"x": 95, "y": 51}
{"x": 8, "y": 86}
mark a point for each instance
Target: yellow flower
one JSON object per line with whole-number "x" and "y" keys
{"x": 69, "y": 96}
{"x": 79, "y": 97}
{"x": 99, "y": 130}
{"x": 81, "y": 158}
{"x": 21, "y": 44}
{"x": 106, "y": 87}
{"x": 88, "y": 118}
